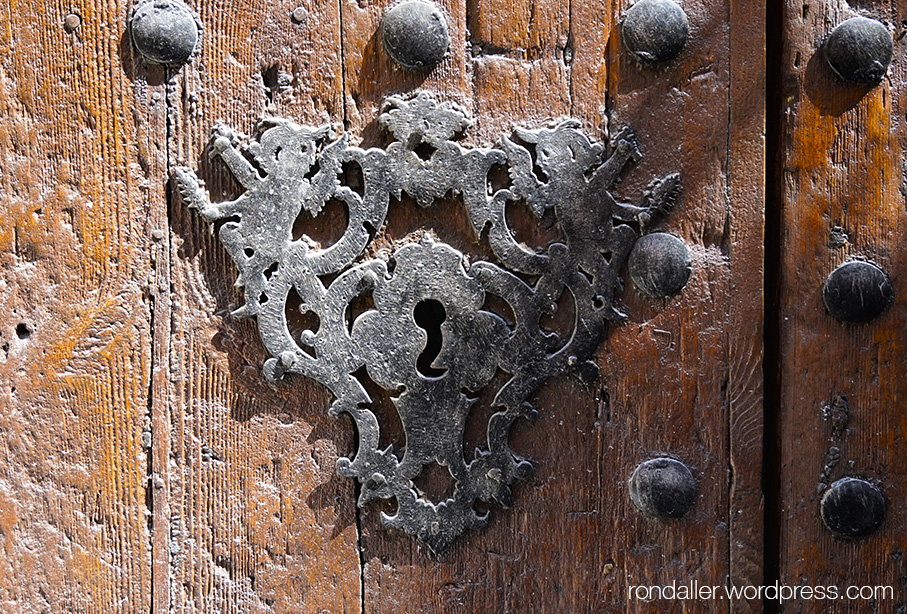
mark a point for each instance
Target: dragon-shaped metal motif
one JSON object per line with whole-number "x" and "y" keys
{"x": 290, "y": 170}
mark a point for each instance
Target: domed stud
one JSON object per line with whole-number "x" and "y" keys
{"x": 299, "y": 15}
{"x": 853, "y": 508}
{"x": 415, "y": 34}
{"x": 860, "y": 50}
{"x": 655, "y": 30}
{"x": 164, "y": 31}
{"x": 660, "y": 265}
{"x": 857, "y": 292}
{"x": 72, "y": 22}
{"x": 663, "y": 488}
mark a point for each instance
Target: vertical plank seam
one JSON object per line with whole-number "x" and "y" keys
{"x": 168, "y": 131}
{"x": 771, "y": 463}
{"x": 725, "y": 246}
{"x": 342, "y": 65}
{"x": 149, "y": 460}
{"x": 360, "y": 551}
{"x": 162, "y": 317}
{"x": 469, "y": 11}
{"x": 569, "y": 66}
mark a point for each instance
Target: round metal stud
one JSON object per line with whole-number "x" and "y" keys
{"x": 857, "y": 292}
{"x": 655, "y": 30}
{"x": 299, "y": 14}
{"x": 663, "y": 488}
{"x": 853, "y": 508}
{"x": 860, "y": 50}
{"x": 415, "y": 34}
{"x": 164, "y": 31}
{"x": 72, "y": 22}
{"x": 660, "y": 265}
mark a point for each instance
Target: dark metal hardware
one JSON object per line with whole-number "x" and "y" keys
{"x": 660, "y": 265}
{"x": 655, "y": 30}
{"x": 857, "y": 291}
{"x": 165, "y": 31}
{"x": 415, "y": 34}
{"x": 853, "y": 508}
{"x": 663, "y": 488}
{"x": 554, "y": 169}
{"x": 860, "y": 50}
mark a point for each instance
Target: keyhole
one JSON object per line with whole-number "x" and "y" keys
{"x": 429, "y": 314}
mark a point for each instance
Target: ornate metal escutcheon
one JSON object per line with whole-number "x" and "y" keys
{"x": 288, "y": 170}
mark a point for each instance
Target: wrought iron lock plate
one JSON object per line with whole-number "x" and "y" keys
{"x": 288, "y": 168}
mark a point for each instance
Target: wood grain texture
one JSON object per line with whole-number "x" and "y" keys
{"x": 80, "y": 182}
{"x": 677, "y": 378}
{"x": 843, "y": 166}
{"x": 746, "y": 252}
{"x": 127, "y": 343}
{"x": 259, "y": 519}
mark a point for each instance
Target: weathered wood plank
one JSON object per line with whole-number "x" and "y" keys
{"x": 80, "y": 172}
{"x": 682, "y": 377}
{"x": 843, "y": 198}
{"x": 369, "y": 75}
{"x": 746, "y": 252}
{"x": 260, "y": 522}
{"x": 246, "y": 509}
{"x": 248, "y": 513}
{"x": 701, "y": 115}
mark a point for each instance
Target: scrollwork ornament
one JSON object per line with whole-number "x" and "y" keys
{"x": 289, "y": 170}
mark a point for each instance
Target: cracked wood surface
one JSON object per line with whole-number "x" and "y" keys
{"x": 573, "y": 542}
{"x": 260, "y": 520}
{"x": 131, "y": 335}
{"x": 81, "y": 171}
{"x": 842, "y": 189}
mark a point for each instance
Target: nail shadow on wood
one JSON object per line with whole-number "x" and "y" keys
{"x": 379, "y": 76}
{"x": 135, "y": 67}
{"x": 831, "y": 94}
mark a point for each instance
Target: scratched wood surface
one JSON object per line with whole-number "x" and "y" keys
{"x": 259, "y": 519}
{"x": 843, "y": 192}
{"x": 81, "y": 187}
{"x": 236, "y": 505}
{"x": 682, "y": 377}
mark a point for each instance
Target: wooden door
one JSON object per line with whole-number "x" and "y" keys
{"x": 837, "y": 385}
{"x": 147, "y": 464}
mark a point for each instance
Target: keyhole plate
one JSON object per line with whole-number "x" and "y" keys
{"x": 441, "y": 325}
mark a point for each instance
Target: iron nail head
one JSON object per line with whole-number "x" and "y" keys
{"x": 655, "y": 30}
{"x": 164, "y": 31}
{"x": 415, "y": 34}
{"x": 857, "y": 291}
{"x": 853, "y": 508}
{"x": 663, "y": 488}
{"x": 860, "y": 50}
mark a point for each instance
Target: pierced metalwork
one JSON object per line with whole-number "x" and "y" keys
{"x": 289, "y": 170}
